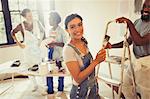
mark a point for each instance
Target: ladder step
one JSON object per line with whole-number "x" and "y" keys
{"x": 109, "y": 81}
{"x": 115, "y": 59}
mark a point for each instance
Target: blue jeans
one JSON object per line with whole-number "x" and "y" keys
{"x": 51, "y": 87}
{"x": 50, "y": 53}
{"x": 50, "y": 79}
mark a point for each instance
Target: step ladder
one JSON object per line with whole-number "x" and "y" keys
{"x": 119, "y": 61}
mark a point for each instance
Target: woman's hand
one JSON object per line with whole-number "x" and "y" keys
{"x": 22, "y": 45}
{"x": 100, "y": 57}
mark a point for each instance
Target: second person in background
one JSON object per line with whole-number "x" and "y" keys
{"x": 58, "y": 39}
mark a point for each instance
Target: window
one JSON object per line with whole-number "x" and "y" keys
{"x": 10, "y": 16}
{"x": 15, "y": 7}
{"x": 3, "y": 38}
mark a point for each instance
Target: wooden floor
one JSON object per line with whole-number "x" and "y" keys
{"x": 22, "y": 89}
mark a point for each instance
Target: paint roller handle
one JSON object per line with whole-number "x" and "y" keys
{"x": 106, "y": 43}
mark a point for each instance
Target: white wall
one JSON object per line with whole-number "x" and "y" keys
{"x": 95, "y": 13}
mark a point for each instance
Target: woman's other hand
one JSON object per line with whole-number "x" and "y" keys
{"x": 100, "y": 57}
{"x": 22, "y": 45}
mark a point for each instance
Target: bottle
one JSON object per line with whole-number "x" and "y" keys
{"x": 43, "y": 68}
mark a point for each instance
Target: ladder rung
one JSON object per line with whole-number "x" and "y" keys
{"x": 115, "y": 59}
{"x": 109, "y": 81}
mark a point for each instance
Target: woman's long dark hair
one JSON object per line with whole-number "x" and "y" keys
{"x": 71, "y": 17}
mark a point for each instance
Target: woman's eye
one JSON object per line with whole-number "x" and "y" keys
{"x": 80, "y": 24}
{"x": 72, "y": 27}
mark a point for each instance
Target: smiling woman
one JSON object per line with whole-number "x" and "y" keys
{"x": 79, "y": 61}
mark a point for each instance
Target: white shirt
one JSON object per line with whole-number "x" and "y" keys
{"x": 59, "y": 35}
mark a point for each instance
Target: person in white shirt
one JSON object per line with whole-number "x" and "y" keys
{"x": 58, "y": 39}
